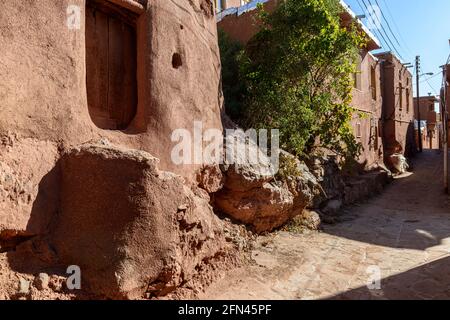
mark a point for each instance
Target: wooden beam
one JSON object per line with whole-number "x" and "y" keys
{"x": 131, "y": 5}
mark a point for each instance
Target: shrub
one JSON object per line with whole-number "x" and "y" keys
{"x": 296, "y": 76}
{"x": 232, "y": 86}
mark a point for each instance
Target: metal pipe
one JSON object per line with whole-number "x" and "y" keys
{"x": 418, "y": 102}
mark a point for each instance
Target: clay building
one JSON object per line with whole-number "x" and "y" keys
{"x": 445, "y": 95}
{"x": 222, "y": 5}
{"x": 398, "y": 107}
{"x": 431, "y": 120}
{"x": 367, "y": 100}
{"x": 240, "y": 22}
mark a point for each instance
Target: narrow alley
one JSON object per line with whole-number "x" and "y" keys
{"x": 211, "y": 151}
{"x": 405, "y": 232}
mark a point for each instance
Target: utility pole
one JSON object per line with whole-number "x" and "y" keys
{"x": 444, "y": 121}
{"x": 418, "y": 101}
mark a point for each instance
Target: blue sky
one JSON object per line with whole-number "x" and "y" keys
{"x": 422, "y": 27}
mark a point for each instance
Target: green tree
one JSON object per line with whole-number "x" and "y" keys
{"x": 233, "y": 88}
{"x": 297, "y": 76}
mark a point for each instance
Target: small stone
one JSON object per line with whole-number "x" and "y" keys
{"x": 41, "y": 281}
{"x": 104, "y": 142}
{"x": 56, "y": 283}
{"x": 311, "y": 219}
{"x": 24, "y": 286}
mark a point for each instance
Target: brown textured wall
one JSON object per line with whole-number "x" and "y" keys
{"x": 43, "y": 87}
{"x": 43, "y": 91}
{"x": 242, "y": 28}
{"x": 368, "y": 113}
{"x": 398, "y": 118}
{"x": 430, "y": 136}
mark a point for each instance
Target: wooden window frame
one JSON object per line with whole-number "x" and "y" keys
{"x": 373, "y": 82}
{"x": 105, "y": 114}
{"x": 358, "y": 130}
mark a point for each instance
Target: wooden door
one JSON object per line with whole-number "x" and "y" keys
{"x": 110, "y": 65}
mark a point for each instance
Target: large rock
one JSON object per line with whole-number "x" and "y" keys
{"x": 129, "y": 226}
{"x": 262, "y": 201}
{"x": 398, "y": 163}
{"x": 329, "y": 175}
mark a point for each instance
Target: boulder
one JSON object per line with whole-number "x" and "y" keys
{"x": 262, "y": 201}
{"x": 210, "y": 178}
{"x": 311, "y": 220}
{"x": 130, "y": 227}
{"x": 265, "y": 207}
{"x": 399, "y": 163}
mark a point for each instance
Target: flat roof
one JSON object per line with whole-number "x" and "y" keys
{"x": 373, "y": 44}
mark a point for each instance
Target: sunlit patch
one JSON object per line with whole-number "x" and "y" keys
{"x": 426, "y": 234}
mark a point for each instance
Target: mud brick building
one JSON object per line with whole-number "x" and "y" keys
{"x": 430, "y": 132}
{"x": 398, "y": 107}
{"x": 367, "y": 98}
{"x": 226, "y": 4}
{"x": 445, "y": 94}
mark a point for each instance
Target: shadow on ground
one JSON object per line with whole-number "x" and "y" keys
{"x": 430, "y": 281}
{"x": 412, "y": 213}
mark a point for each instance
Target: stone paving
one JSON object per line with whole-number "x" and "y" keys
{"x": 403, "y": 235}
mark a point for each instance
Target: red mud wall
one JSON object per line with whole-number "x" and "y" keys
{"x": 43, "y": 92}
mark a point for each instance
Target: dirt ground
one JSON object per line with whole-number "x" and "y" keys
{"x": 401, "y": 237}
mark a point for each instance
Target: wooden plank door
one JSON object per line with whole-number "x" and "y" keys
{"x": 111, "y": 68}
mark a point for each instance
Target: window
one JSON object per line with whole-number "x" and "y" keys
{"x": 357, "y": 74}
{"x": 408, "y": 97}
{"x": 400, "y": 96}
{"x": 373, "y": 82}
{"x": 111, "y": 63}
{"x": 376, "y": 143}
{"x": 358, "y": 130}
